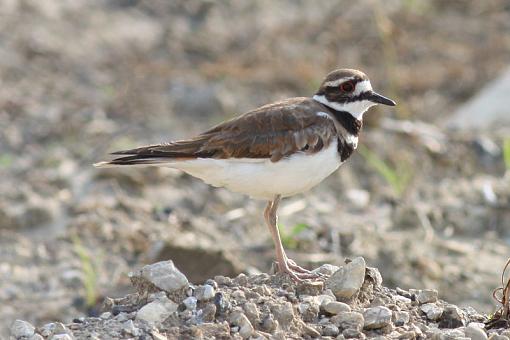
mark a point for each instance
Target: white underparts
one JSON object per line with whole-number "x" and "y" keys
{"x": 261, "y": 178}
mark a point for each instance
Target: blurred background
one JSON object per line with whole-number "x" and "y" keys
{"x": 426, "y": 198}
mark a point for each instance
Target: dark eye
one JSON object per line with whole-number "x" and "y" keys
{"x": 347, "y": 87}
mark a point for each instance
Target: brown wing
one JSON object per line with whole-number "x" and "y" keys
{"x": 272, "y": 131}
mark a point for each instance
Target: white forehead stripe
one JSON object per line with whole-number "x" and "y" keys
{"x": 362, "y": 86}
{"x": 337, "y": 82}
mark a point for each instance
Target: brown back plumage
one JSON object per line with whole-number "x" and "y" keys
{"x": 272, "y": 131}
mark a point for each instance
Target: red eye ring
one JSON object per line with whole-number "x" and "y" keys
{"x": 347, "y": 87}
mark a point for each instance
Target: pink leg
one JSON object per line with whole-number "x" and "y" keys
{"x": 285, "y": 265}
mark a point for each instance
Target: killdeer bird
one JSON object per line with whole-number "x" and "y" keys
{"x": 275, "y": 151}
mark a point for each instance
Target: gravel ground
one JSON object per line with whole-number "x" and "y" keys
{"x": 82, "y": 78}
{"x": 349, "y": 302}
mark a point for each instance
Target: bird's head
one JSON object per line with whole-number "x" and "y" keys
{"x": 350, "y": 91}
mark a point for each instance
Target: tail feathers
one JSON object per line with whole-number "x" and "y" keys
{"x": 157, "y": 155}
{"x": 138, "y": 160}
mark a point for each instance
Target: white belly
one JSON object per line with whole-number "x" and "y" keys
{"x": 263, "y": 179}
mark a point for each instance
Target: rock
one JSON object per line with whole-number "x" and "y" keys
{"x": 449, "y": 334}
{"x": 347, "y": 280}
{"x": 208, "y": 312}
{"x": 269, "y": 324}
{"x": 400, "y": 318}
{"x": 452, "y": 317}
{"x": 36, "y": 337}
{"x": 349, "y": 320}
{"x": 240, "y": 320}
{"x": 105, "y": 315}
{"x": 47, "y": 330}
{"x": 205, "y": 293}
{"x": 157, "y": 311}
{"x": 432, "y": 311}
{"x": 377, "y": 317}
{"x": 223, "y": 280}
{"x": 61, "y": 337}
{"x": 221, "y": 303}
{"x": 326, "y": 269}
{"x": 335, "y": 307}
{"x": 190, "y": 303}
{"x": 309, "y": 310}
{"x": 498, "y": 337}
{"x": 284, "y": 313}
{"x": 309, "y": 331}
{"x": 241, "y": 280}
{"x": 311, "y": 288}
{"x": 252, "y": 312}
{"x": 475, "y": 333}
{"x": 427, "y": 296}
{"x": 130, "y": 328}
{"x": 330, "y": 330}
{"x": 20, "y": 329}
{"x": 351, "y": 333}
{"x": 162, "y": 275}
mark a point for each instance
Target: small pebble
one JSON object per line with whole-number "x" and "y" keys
{"x": 400, "y": 318}
{"x": 20, "y": 328}
{"x": 335, "y": 307}
{"x": 347, "y": 280}
{"x": 475, "y": 333}
{"x": 105, "y": 315}
{"x": 377, "y": 317}
{"x": 432, "y": 311}
{"x": 427, "y": 296}
{"x": 352, "y": 320}
{"x": 330, "y": 330}
{"x": 205, "y": 293}
{"x": 190, "y": 303}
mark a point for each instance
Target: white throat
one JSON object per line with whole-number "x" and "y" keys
{"x": 356, "y": 109}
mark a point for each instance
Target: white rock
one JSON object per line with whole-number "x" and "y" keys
{"x": 400, "y": 318}
{"x": 326, "y": 269}
{"x": 335, "y": 307}
{"x": 240, "y": 320}
{"x": 432, "y": 311}
{"x": 36, "y": 337}
{"x": 105, "y": 315}
{"x": 164, "y": 275}
{"x": 157, "y": 311}
{"x": 130, "y": 328}
{"x": 61, "y": 337}
{"x": 22, "y": 328}
{"x": 377, "y": 317}
{"x": 190, "y": 303}
{"x": 475, "y": 333}
{"x": 347, "y": 280}
{"x": 427, "y": 296}
{"x": 205, "y": 293}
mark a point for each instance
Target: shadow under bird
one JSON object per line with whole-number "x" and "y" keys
{"x": 277, "y": 150}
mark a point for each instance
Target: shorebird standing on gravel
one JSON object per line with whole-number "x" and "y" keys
{"x": 275, "y": 151}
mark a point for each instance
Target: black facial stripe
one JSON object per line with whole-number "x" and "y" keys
{"x": 339, "y": 97}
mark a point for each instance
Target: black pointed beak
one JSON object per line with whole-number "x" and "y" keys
{"x": 380, "y": 99}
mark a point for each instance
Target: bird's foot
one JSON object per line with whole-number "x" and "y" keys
{"x": 296, "y": 273}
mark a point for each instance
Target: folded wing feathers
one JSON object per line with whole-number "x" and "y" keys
{"x": 290, "y": 130}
